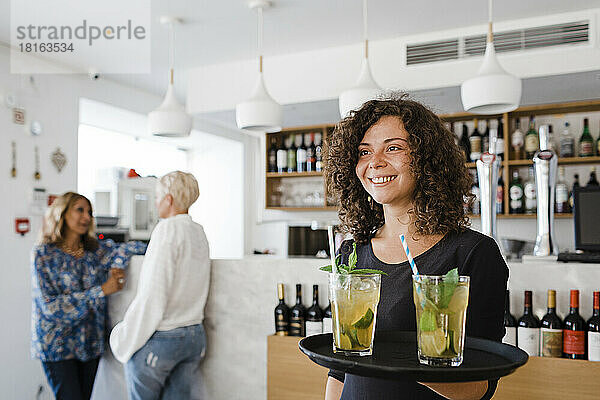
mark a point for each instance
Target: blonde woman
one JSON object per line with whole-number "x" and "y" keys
{"x": 72, "y": 273}
{"x": 161, "y": 338}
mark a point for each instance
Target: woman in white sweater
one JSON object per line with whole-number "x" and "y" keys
{"x": 161, "y": 338}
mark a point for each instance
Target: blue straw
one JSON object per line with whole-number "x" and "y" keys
{"x": 413, "y": 266}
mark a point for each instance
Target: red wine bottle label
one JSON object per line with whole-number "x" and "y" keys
{"x": 594, "y": 346}
{"x": 510, "y": 337}
{"x": 551, "y": 342}
{"x": 574, "y": 342}
{"x": 528, "y": 340}
{"x": 327, "y": 325}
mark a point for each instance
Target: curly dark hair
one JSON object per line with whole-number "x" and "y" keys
{"x": 441, "y": 177}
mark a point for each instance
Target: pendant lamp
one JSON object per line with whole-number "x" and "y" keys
{"x": 366, "y": 88}
{"x": 170, "y": 119}
{"x": 493, "y": 90}
{"x": 260, "y": 113}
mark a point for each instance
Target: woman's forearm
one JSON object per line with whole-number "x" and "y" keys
{"x": 333, "y": 390}
{"x": 459, "y": 391}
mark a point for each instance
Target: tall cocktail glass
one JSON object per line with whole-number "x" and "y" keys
{"x": 441, "y": 309}
{"x": 354, "y": 300}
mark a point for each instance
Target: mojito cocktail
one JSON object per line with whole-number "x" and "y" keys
{"x": 354, "y": 300}
{"x": 441, "y": 310}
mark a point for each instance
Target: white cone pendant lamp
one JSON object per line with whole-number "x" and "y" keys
{"x": 493, "y": 90}
{"x": 259, "y": 113}
{"x": 366, "y": 88}
{"x": 170, "y": 119}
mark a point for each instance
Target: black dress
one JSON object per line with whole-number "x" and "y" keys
{"x": 475, "y": 255}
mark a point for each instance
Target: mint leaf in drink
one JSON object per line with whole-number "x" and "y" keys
{"x": 353, "y": 257}
{"x": 447, "y": 287}
{"x": 367, "y": 271}
{"x": 427, "y": 321}
{"x": 365, "y": 321}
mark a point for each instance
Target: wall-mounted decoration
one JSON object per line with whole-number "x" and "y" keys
{"x": 59, "y": 159}
{"x": 18, "y": 116}
{"x": 37, "y": 174}
{"x": 35, "y": 128}
{"x": 13, "y": 170}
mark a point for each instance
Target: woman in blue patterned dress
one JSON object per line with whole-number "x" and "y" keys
{"x": 72, "y": 275}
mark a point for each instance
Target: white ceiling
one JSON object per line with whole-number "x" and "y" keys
{"x": 217, "y": 31}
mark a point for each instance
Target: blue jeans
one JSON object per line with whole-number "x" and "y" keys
{"x": 168, "y": 366}
{"x": 71, "y": 379}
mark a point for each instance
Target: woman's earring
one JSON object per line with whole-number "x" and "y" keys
{"x": 370, "y": 201}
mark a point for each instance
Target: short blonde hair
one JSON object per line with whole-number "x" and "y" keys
{"x": 53, "y": 229}
{"x": 182, "y": 186}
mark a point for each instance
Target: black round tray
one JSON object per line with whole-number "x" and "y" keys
{"x": 395, "y": 357}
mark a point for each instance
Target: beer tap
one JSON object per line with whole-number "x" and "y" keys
{"x": 545, "y": 163}
{"x": 488, "y": 167}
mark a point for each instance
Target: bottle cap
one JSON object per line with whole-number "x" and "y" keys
{"x": 575, "y": 298}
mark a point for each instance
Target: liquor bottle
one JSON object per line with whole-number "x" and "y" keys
{"x": 465, "y": 144}
{"x": 530, "y": 193}
{"x": 310, "y": 154}
{"x": 510, "y": 323}
{"x": 567, "y": 142}
{"x": 273, "y": 156}
{"x": 291, "y": 154}
{"x": 586, "y": 141}
{"x": 532, "y": 142}
{"x": 593, "y": 181}
{"x": 318, "y": 153}
{"x": 552, "y": 140}
{"x": 593, "y": 327}
{"x": 515, "y": 192}
{"x": 500, "y": 139}
{"x": 562, "y": 193}
{"x": 300, "y": 154}
{"x": 528, "y": 331}
{"x": 282, "y": 157}
{"x": 327, "y": 320}
{"x": 575, "y": 186}
{"x": 475, "y": 140}
{"x": 551, "y": 335}
{"x": 500, "y": 196}
{"x": 450, "y": 127}
{"x": 476, "y": 206}
{"x": 298, "y": 315}
{"x": 282, "y": 313}
{"x": 485, "y": 140}
{"x": 314, "y": 315}
{"x": 517, "y": 140}
{"x": 574, "y": 331}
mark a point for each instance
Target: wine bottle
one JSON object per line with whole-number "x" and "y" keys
{"x": 298, "y": 315}
{"x": 574, "y": 331}
{"x": 465, "y": 145}
{"x": 314, "y": 315}
{"x": 510, "y": 323}
{"x": 475, "y": 140}
{"x": 593, "y": 327}
{"x": 586, "y": 141}
{"x": 530, "y": 193}
{"x": 562, "y": 192}
{"x": 291, "y": 154}
{"x": 518, "y": 140}
{"x": 282, "y": 157}
{"x": 310, "y": 154}
{"x": 500, "y": 196}
{"x": 327, "y": 320}
{"x": 500, "y": 139}
{"x": 572, "y": 194}
{"x": 515, "y": 192}
{"x": 532, "y": 141}
{"x": 485, "y": 140}
{"x": 273, "y": 156}
{"x": 593, "y": 181}
{"x": 476, "y": 206}
{"x": 318, "y": 153}
{"x": 528, "y": 331}
{"x": 551, "y": 336}
{"x": 300, "y": 153}
{"x": 282, "y": 313}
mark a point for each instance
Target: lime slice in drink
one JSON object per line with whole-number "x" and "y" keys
{"x": 459, "y": 299}
{"x": 365, "y": 321}
{"x": 433, "y": 343}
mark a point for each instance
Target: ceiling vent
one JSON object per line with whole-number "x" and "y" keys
{"x": 517, "y": 40}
